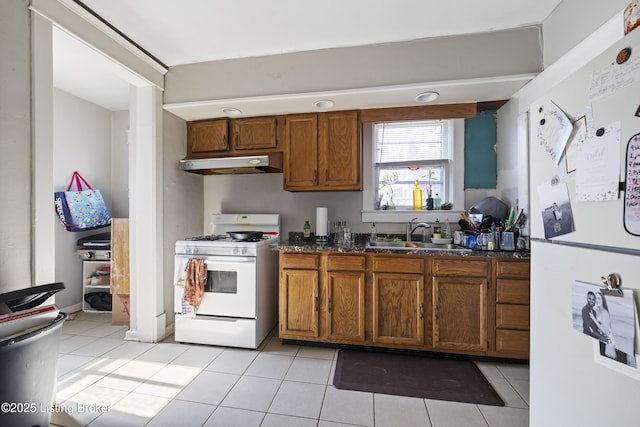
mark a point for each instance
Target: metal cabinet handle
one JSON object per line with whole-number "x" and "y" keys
{"x": 421, "y": 310}
{"x": 435, "y": 310}
{"x": 315, "y": 176}
{"x": 315, "y": 304}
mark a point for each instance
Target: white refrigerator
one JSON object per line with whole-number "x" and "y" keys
{"x": 584, "y": 226}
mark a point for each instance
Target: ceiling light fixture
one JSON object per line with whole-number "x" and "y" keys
{"x": 427, "y": 96}
{"x": 230, "y": 111}
{"x": 324, "y": 103}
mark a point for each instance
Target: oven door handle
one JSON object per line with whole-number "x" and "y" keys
{"x": 229, "y": 259}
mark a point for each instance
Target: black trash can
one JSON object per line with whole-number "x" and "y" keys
{"x": 28, "y": 362}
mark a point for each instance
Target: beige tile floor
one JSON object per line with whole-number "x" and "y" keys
{"x": 104, "y": 380}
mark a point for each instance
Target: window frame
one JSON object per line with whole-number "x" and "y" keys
{"x": 455, "y": 187}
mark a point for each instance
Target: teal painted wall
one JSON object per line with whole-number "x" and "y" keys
{"x": 480, "y": 160}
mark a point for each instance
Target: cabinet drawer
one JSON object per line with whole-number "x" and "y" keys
{"x": 345, "y": 263}
{"x": 462, "y": 266}
{"x": 512, "y": 342}
{"x": 295, "y": 260}
{"x": 519, "y": 269}
{"x": 514, "y": 291}
{"x": 510, "y": 316}
{"x": 399, "y": 264}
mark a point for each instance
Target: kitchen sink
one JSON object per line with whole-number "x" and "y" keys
{"x": 415, "y": 245}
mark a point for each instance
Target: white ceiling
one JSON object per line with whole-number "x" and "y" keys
{"x": 189, "y": 31}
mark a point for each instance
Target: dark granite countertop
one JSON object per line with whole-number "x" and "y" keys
{"x": 297, "y": 244}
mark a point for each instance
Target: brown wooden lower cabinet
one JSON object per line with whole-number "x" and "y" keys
{"x": 511, "y": 308}
{"x": 299, "y": 296}
{"x": 459, "y": 314}
{"x": 345, "y": 306}
{"x": 398, "y": 309}
{"x": 475, "y": 306}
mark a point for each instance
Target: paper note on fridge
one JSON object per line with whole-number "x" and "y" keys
{"x": 598, "y": 165}
{"x": 553, "y": 128}
{"x": 612, "y": 77}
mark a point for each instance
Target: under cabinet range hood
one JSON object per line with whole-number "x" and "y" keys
{"x": 267, "y": 163}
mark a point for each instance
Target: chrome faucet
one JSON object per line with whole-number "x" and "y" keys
{"x": 411, "y": 227}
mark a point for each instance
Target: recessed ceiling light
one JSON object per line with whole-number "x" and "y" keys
{"x": 427, "y": 96}
{"x": 230, "y": 111}
{"x": 324, "y": 103}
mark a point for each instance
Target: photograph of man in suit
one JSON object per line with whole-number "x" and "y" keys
{"x": 589, "y": 326}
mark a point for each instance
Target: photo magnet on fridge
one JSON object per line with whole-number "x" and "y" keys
{"x": 608, "y": 319}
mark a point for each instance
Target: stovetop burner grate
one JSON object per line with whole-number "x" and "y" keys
{"x": 209, "y": 237}
{"x": 226, "y": 238}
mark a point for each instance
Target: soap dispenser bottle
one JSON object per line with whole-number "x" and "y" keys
{"x": 374, "y": 233}
{"x": 446, "y": 229}
{"x": 437, "y": 230}
{"x": 417, "y": 197}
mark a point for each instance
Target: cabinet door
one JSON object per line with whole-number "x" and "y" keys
{"x": 398, "y": 309}
{"x": 207, "y": 137}
{"x": 460, "y": 314}
{"x": 299, "y": 303}
{"x": 345, "y": 306}
{"x": 301, "y": 152}
{"x": 339, "y": 159}
{"x": 254, "y": 133}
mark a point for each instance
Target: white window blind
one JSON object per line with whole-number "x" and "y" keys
{"x": 409, "y": 141}
{"x": 406, "y": 152}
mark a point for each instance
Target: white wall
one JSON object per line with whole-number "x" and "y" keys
{"x": 183, "y": 203}
{"x": 572, "y": 22}
{"x": 119, "y": 206}
{"x": 15, "y": 147}
{"x": 87, "y": 138}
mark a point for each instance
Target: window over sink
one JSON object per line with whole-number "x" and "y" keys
{"x": 407, "y": 152}
{"x": 397, "y": 153}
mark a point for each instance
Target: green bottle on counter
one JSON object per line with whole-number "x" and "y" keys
{"x": 307, "y": 230}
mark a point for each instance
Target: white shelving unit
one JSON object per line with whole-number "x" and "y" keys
{"x": 88, "y": 268}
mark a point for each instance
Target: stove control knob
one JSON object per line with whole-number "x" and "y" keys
{"x": 88, "y": 255}
{"x": 195, "y": 250}
{"x": 107, "y": 254}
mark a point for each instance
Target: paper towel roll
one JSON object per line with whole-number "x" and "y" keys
{"x": 322, "y": 222}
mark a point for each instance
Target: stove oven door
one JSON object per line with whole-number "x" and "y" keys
{"x": 230, "y": 290}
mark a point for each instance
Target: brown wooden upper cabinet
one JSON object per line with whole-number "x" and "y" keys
{"x": 228, "y": 137}
{"x": 207, "y": 137}
{"x": 322, "y": 152}
{"x": 254, "y": 133}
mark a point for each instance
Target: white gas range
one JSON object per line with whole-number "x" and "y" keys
{"x": 239, "y": 298}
